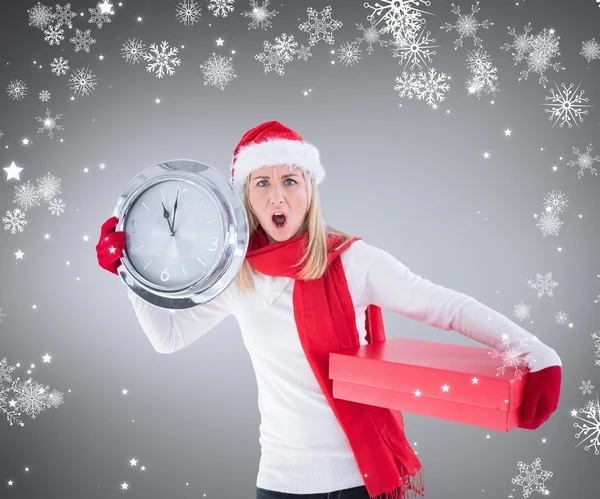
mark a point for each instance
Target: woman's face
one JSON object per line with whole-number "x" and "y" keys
{"x": 279, "y": 190}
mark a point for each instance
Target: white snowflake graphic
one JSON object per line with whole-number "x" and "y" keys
{"x": 40, "y": 15}
{"x": 98, "y": 17}
{"x": 17, "y": 89}
{"x": 260, "y": 15}
{"x": 188, "y": 12}
{"x": 14, "y": 221}
{"x": 275, "y": 55}
{"x": 83, "y": 40}
{"x": 590, "y": 50}
{"x": 585, "y": 161}
{"x": 566, "y": 105}
{"x": 512, "y": 356}
{"x": 402, "y": 18}
{"x": 82, "y": 82}
{"x": 133, "y": 50}
{"x": 221, "y": 7}
{"x": 54, "y": 35}
{"x": 466, "y": 26}
{"x": 320, "y": 26}
{"x": 521, "y": 311}
{"x": 56, "y": 207}
{"x": 543, "y": 284}
{"x": 589, "y": 426}
{"x": 429, "y": 86}
{"x": 596, "y": 338}
{"x": 349, "y": 53}
{"x": 286, "y": 45}
{"x": 48, "y": 187}
{"x": 371, "y": 36}
{"x": 304, "y": 52}
{"x": 555, "y": 201}
{"x": 586, "y": 387}
{"x": 549, "y": 224}
{"x": 64, "y": 15}
{"x": 415, "y": 50}
{"x": 26, "y": 196}
{"x": 59, "y": 66}
{"x": 218, "y": 71}
{"x": 561, "y": 318}
{"x": 162, "y": 59}
{"x": 532, "y": 478}
{"x": 483, "y": 74}
{"x": 49, "y": 123}
{"x": 45, "y": 96}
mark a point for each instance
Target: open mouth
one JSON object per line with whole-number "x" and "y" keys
{"x": 279, "y": 221}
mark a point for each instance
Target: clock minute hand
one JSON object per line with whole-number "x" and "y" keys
{"x": 175, "y": 209}
{"x": 166, "y": 215}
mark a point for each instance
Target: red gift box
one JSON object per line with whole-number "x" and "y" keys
{"x": 452, "y": 382}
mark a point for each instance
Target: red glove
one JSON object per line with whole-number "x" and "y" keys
{"x": 109, "y": 249}
{"x": 542, "y": 391}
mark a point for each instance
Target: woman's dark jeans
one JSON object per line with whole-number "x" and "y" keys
{"x": 359, "y": 492}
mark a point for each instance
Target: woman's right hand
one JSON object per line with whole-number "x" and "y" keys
{"x": 109, "y": 249}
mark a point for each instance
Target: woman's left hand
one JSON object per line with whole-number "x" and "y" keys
{"x": 542, "y": 391}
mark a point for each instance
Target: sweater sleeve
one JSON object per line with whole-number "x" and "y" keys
{"x": 172, "y": 330}
{"x": 390, "y": 284}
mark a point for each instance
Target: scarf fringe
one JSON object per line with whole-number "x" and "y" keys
{"x": 413, "y": 484}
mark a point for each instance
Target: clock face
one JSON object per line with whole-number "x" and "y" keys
{"x": 180, "y": 249}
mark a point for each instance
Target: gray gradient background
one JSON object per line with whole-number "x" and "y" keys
{"x": 408, "y": 179}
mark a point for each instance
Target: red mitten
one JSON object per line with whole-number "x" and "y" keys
{"x": 109, "y": 249}
{"x": 542, "y": 391}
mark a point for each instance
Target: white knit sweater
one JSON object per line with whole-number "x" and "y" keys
{"x": 303, "y": 448}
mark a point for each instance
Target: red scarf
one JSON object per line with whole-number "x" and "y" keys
{"x": 326, "y": 322}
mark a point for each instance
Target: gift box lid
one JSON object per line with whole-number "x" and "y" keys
{"x": 470, "y": 375}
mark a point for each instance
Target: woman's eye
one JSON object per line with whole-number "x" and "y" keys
{"x": 291, "y": 180}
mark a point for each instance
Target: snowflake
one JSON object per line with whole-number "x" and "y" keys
{"x": 218, "y": 71}
{"x": 59, "y": 66}
{"x": 521, "y": 43}
{"x": 14, "y": 221}
{"x": 349, "y": 53}
{"x": 550, "y": 224}
{"x": 543, "y": 284}
{"x": 40, "y": 15}
{"x": 56, "y": 207}
{"x": 429, "y": 86}
{"x": 26, "y": 196}
{"x": 483, "y": 74}
{"x": 49, "y": 124}
{"x": 162, "y": 59}
{"x": 54, "y": 35}
{"x": 2, "y": 315}
{"x": 521, "y": 311}
{"x": 591, "y": 425}
{"x": 48, "y": 187}
{"x": 596, "y": 338}
{"x": 45, "y": 96}
{"x": 542, "y": 49}
{"x": 304, "y": 52}
{"x": 320, "y": 26}
{"x": 585, "y": 161}
{"x": 221, "y": 7}
{"x": 555, "y": 201}
{"x": 82, "y": 40}
{"x": 82, "y": 81}
{"x": 586, "y": 387}
{"x": 98, "y": 17}
{"x": 133, "y": 50}
{"x": 466, "y": 26}
{"x": 17, "y": 89}
{"x": 272, "y": 59}
{"x": 260, "y": 16}
{"x": 512, "y": 355}
{"x": 590, "y": 50}
{"x": 415, "y": 50}
{"x": 561, "y": 318}
{"x": 402, "y": 17}
{"x": 286, "y": 46}
{"x": 188, "y": 12}
{"x": 371, "y": 36}
{"x": 566, "y": 104}
{"x": 64, "y": 15}
{"x": 532, "y": 477}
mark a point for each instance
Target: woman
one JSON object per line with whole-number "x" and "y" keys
{"x": 305, "y": 290}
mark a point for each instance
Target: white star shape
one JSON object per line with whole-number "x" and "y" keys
{"x": 13, "y": 171}
{"x": 46, "y": 358}
{"x": 19, "y": 255}
{"x": 106, "y": 7}
{"x": 507, "y": 132}
{"x": 220, "y": 41}
{"x": 445, "y": 388}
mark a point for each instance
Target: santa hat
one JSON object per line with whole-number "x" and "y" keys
{"x": 269, "y": 144}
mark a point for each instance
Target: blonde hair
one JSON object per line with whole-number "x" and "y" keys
{"x": 315, "y": 254}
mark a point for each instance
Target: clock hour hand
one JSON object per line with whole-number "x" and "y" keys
{"x": 166, "y": 215}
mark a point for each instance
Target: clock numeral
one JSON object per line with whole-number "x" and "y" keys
{"x": 185, "y": 198}
{"x": 213, "y": 246}
{"x": 164, "y": 275}
{"x": 133, "y": 226}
